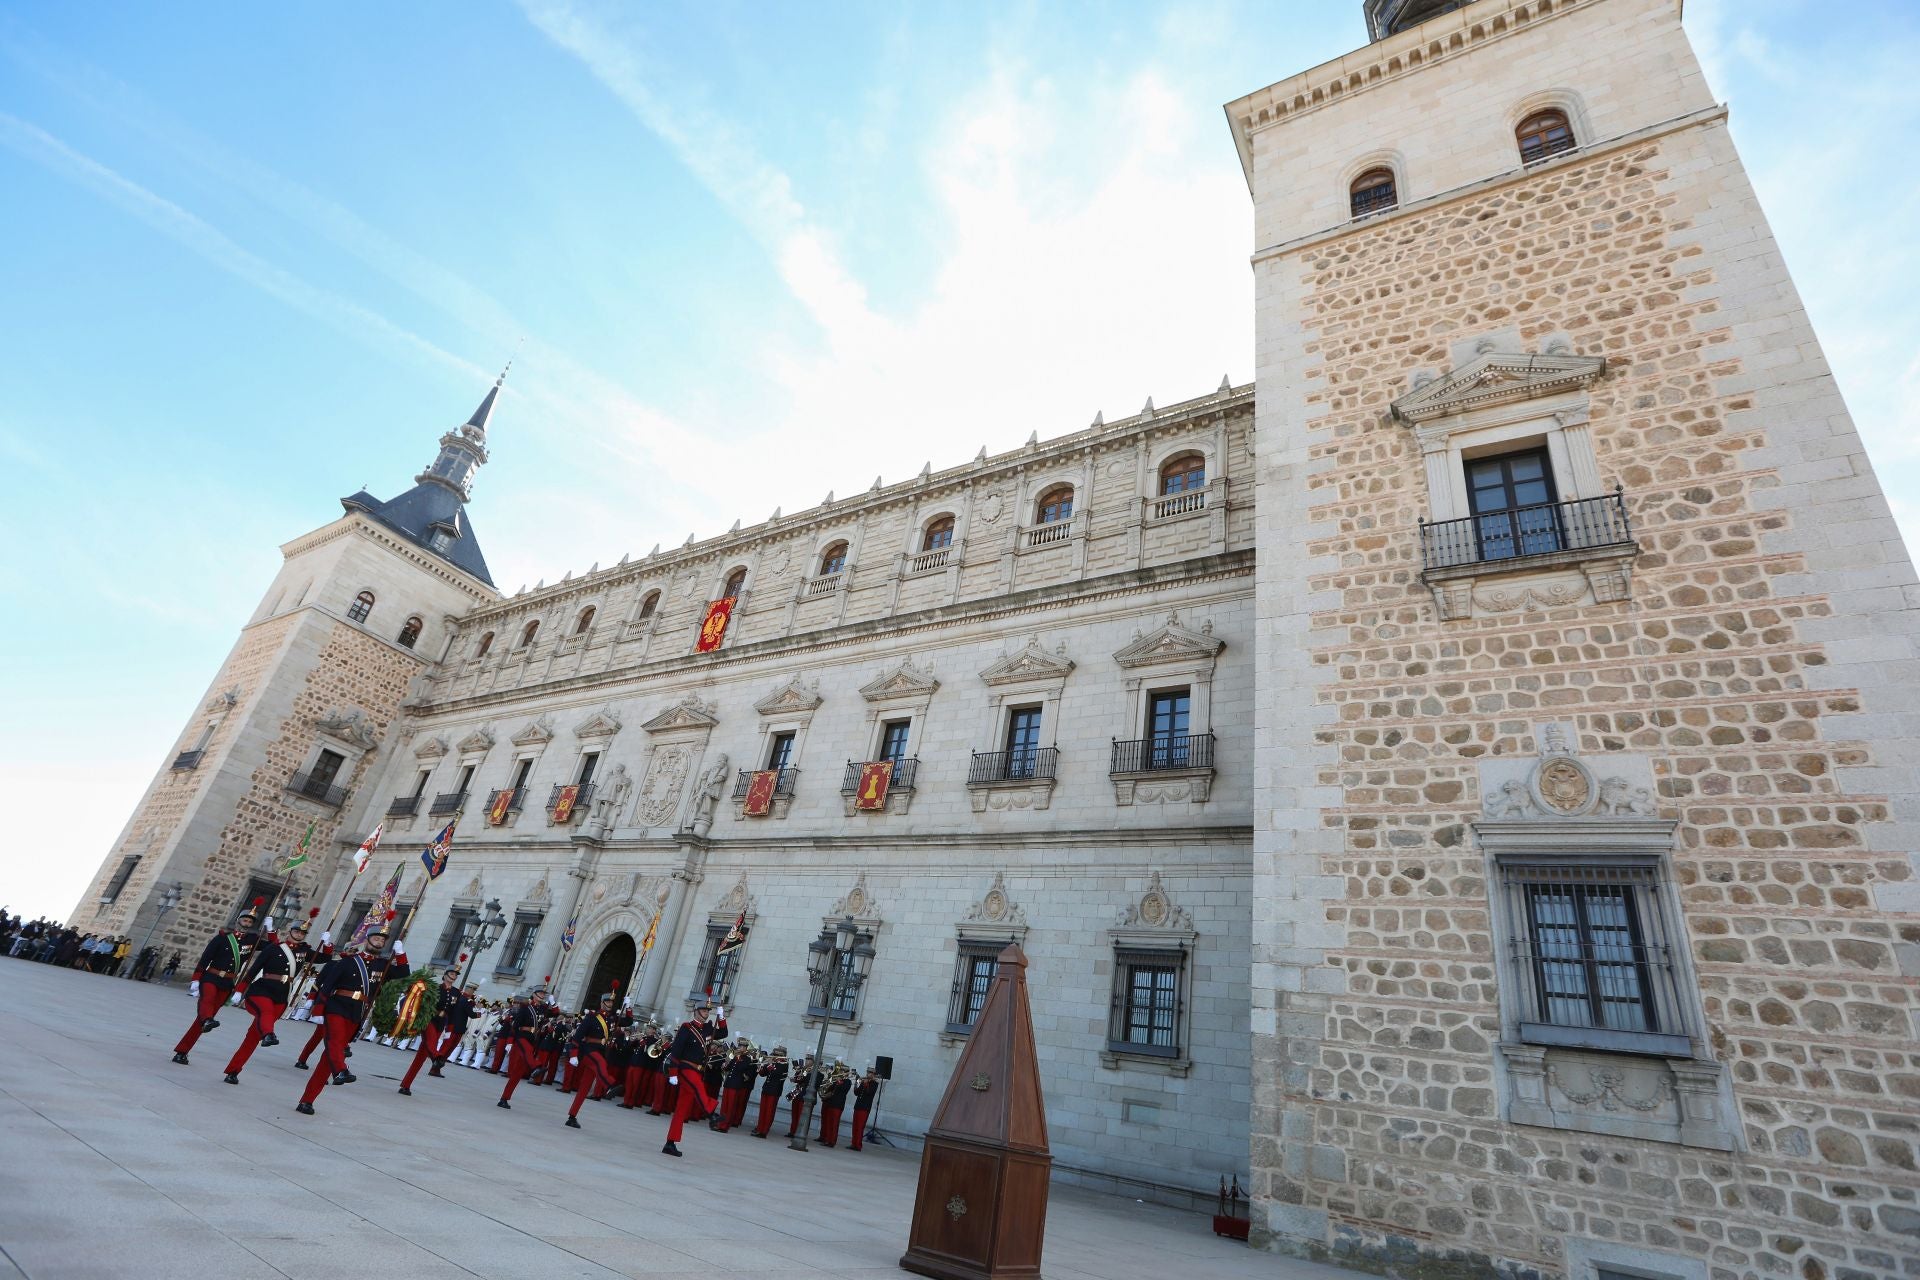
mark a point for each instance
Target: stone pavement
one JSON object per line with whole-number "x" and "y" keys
{"x": 116, "y": 1163}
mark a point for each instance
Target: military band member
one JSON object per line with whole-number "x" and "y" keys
{"x": 737, "y": 1086}
{"x": 521, "y": 1033}
{"x": 685, "y": 1060}
{"x": 449, "y": 1023}
{"x": 773, "y": 1078}
{"x": 660, "y": 1099}
{"x": 863, "y": 1095}
{"x": 587, "y": 1056}
{"x": 347, "y": 987}
{"x": 805, "y": 1078}
{"x": 214, "y": 978}
{"x": 264, "y": 990}
{"x": 833, "y": 1100}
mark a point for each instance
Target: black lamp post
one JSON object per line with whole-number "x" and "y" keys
{"x": 169, "y": 899}
{"x": 481, "y": 933}
{"x": 838, "y": 967}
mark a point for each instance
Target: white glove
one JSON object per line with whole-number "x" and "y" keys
{"x": 673, "y": 1079}
{"x": 269, "y": 924}
{"x": 193, "y": 988}
{"x": 234, "y": 1000}
{"x": 720, "y": 1012}
{"x": 573, "y": 1062}
{"x": 326, "y": 937}
{"x": 400, "y": 946}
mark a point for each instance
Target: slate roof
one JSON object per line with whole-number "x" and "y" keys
{"x": 414, "y": 514}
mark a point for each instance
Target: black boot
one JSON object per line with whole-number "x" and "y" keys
{"x": 208, "y": 1025}
{"x": 669, "y": 1150}
{"x": 305, "y": 1108}
{"x": 405, "y": 1092}
{"x": 269, "y": 1040}
{"x": 344, "y": 1077}
{"x": 504, "y": 1105}
{"x": 572, "y": 1123}
{"x": 233, "y": 1077}
{"x": 181, "y": 1058}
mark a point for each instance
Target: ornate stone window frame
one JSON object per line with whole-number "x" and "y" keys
{"x": 788, "y": 709}
{"x": 1666, "y": 1087}
{"x": 1154, "y": 923}
{"x": 348, "y": 733}
{"x": 990, "y": 924}
{"x": 1494, "y": 403}
{"x": 903, "y": 691}
{"x": 527, "y": 745}
{"x": 1018, "y": 678}
{"x": 867, "y": 922}
{"x": 720, "y": 920}
{"x": 1171, "y": 657}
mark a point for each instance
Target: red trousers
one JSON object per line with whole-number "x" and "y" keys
{"x": 265, "y": 1014}
{"x": 693, "y": 1095}
{"x": 520, "y": 1064}
{"x": 313, "y": 1041}
{"x": 768, "y": 1103}
{"x": 499, "y": 1052}
{"x": 630, "y": 1088}
{"x": 829, "y": 1126}
{"x": 340, "y": 1032}
{"x": 859, "y": 1129}
{"x": 212, "y": 996}
{"x": 658, "y": 1100}
{"x": 728, "y": 1096}
{"x": 793, "y": 1126}
{"x": 735, "y": 1108}
{"x": 593, "y": 1070}
{"x": 431, "y": 1043}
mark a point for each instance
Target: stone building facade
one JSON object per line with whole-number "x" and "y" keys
{"x": 1583, "y": 936}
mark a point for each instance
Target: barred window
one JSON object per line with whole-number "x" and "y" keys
{"x": 972, "y": 976}
{"x": 1372, "y": 192}
{"x": 410, "y": 633}
{"x": 1146, "y": 1002}
{"x": 1543, "y": 134}
{"x": 120, "y": 878}
{"x": 519, "y": 948}
{"x": 447, "y": 949}
{"x": 362, "y": 606}
{"x": 717, "y": 972}
{"x": 736, "y": 583}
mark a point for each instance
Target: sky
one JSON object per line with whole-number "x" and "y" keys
{"x": 257, "y": 257}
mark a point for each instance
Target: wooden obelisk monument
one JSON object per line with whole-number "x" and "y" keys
{"x": 981, "y": 1210}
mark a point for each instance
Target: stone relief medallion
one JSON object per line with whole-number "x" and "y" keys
{"x": 991, "y": 507}
{"x": 994, "y": 905}
{"x": 600, "y": 891}
{"x": 1119, "y": 467}
{"x": 687, "y": 585}
{"x": 782, "y": 561}
{"x": 1153, "y": 908}
{"x": 660, "y": 793}
{"x": 1563, "y": 786}
{"x": 856, "y": 901}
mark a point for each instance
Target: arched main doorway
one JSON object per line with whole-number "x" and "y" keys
{"x": 614, "y": 964}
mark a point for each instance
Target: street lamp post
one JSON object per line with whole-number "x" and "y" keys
{"x": 838, "y": 966}
{"x": 481, "y": 933}
{"x": 169, "y": 899}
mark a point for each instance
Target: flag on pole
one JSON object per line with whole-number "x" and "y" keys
{"x": 299, "y": 856}
{"x": 566, "y": 939}
{"x": 434, "y": 856}
{"x": 365, "y": 853}
{"x": 736, "y": 936}
{"x": 377, "y": 913}
{"x": 646, "y": 943}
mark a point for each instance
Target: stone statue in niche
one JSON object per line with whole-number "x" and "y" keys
{"x": 613, "y": 796}
{"x": 707, "y": 794}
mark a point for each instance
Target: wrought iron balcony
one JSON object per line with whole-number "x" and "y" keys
{"x": 904, "y": 770}
{"x": 1550, "y": 528}
{"x": 782, "y": 786}
{"x": 187, "y": 760}
{"x": 580, "y": 801}
{"x": 1171, "y": 751}
{"x": 404, "y": 807}
{"x": 514, "y": 802}
{"x": 448, "y": 802}
{"x": 1013, "y": 766}
{"x": 312, "y": 788}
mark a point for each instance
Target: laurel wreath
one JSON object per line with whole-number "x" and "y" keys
{"x": 399, "y": 1012}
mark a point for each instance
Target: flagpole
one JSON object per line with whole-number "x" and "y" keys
{"x": 413, "y": 912}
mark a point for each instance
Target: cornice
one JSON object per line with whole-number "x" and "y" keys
{"x": 358, "y": 523}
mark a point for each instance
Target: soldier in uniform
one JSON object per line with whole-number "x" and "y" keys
{"x": 863, "y": 1095}
{"x": 685, "y": 1060}
{"x": 214, "y": 978}
{"x": 449, "y": 1023}
{"x": 265, "y": 988}
{"x": 833, "y": 1100}
{"x": 737, "y": 1085}
{"x": 805, "y": 1078}
{"x": 346, "y": 988}
{"x": 521, "y": 1033}
{"x": 587, "y": 1056}
{"x": 773, "y": 1077}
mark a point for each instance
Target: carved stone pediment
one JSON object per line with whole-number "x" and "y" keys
{"x": 691, "y": 712}
{"x": 603, "y": 723}
{"x": 1495, "y": 378}
{"x": 1559, "y": 785}
{"x": 432, "y": 748}
{"x": 795, "y": 695}
{"x": 737, "y": 900}
{"x": 538, "y": 731}
{"x": 857, "y": 902}
{"x": 1028, "y": 664}
{"x": 539, "y": 892}
{"x": 996, "y": 907}
{"x": 351, "y": 725}
{"x": 1156, "y": 911}
{"x": 477, "y": 742}
{"x": 1172, "y": 643}
{"x": 903, "y": 681}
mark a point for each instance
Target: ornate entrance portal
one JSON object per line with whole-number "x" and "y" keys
{"x": 614, "y": 964}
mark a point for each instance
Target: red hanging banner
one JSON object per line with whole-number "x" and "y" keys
{"x": 497, "y": 811}
{"x": 563, "y": 804}
{"x": 714, "y": 629}
{"x": 760, "y": 793}
{"x": 875, "y": 777}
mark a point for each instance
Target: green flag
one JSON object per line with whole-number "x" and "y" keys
{"x": 299, "y": 857}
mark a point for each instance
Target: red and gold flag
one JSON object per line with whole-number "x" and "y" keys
{"x": 497, "y": 811}
{"x": 714, "y": 629}
{"x": 563, "y": 804}
{"x": 875, "y": 777}
{"x": 760, "y": 793}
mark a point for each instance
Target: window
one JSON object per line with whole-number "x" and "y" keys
{"x": 410, "y": 633}
{"x": 780, "y": 751}
{"x": 326, "y": 768}
{"x": 420, "y": 783}
{"x": 939, "y": 534}
{"x": 972, "y": 976}
{"x": 519, "y": 948}
{"x": 586, "y": 620}
{"x": 447, "y": 950}
{"x": 1168, "y": 714}
{"x": 520, "y": 773}
{"x": 1543, "y": 134}
{"x": 893, "y": 740}
{"x": 648, "y": 605}
{"x": 1592, "y": 957}
{"x": 120, "y": 878}
{"x": 486, "y": 643}
{"x": 833, "y": 559}
{"x": 356, "y": 916}
{"x": 440, "y": 540}
{"x": 1183, "y": 474}
{"x": 1146, "y": 1002}
{"x": 588, "y": 763}
{"x": 1372, "y": 192}
{"x": 1055, "y": 505}
{"x": 1023, "y": 741}
{"x": 362, "y": 606}
{"x": 846, "y": 999}
{"x": 1512, "y": 500}
{"x": 736, "y": 583}
{"x": 466, "y": 778}
{"x": 527, "y": 633}
{"x": 717, "y": 972}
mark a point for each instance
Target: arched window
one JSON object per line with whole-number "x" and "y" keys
{"x": 939, "y": 534}
{"x": 648, "y": 605}
{"x": 736, "y": 583}
{"x": 833, "y": 559}
{"x": 1183, "y": 474}
{"x": 1372, "y": 192}
{"x": 486, "y": 643}
{"x": 586, "y": 620}
{"x": 527, "y": 635}
{"x": 1055, "y": 505}
{"x": 1543, "y": 134}
{"x": 362, "y": 606}
{"x": 410, "y": 632}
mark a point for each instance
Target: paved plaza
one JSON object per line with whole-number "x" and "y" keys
{"x": 116, "y": 1163}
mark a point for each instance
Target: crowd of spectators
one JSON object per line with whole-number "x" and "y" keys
{"x": 50, "y": 942}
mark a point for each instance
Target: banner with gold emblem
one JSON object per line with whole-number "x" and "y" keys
{"x": 875, "y": 777}
{"x": 760, "y": 793}
{"x": 502, "y": 803}
{"x": 713, "y": 629}
{"x": 563, "y": 803}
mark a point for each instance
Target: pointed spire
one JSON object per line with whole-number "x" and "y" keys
{"x": 774, "y": 516}
{"x": 1226, "y": 384}
{"x": 656, "y": 551}
{"x": 1146, "y": 410}
{"x": 828, "y": 500}
{"x": 876, "y": 485}
{"x": 980, "y": 456}
{"x": 477, "y": 424}
{"x": 1099, "y": 417}
{"x": 736, "y": 525}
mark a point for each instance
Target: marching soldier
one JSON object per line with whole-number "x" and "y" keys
{"x": 737, "y": 1087}
{"x": 833, "y": 1100}
{"x": 214, "y": 977}
{"x": 773, "y": 1078}
{"x": 449, "y": 1023}
{"x": 346, "y": 988}
{"x": 520, "y": 1032}
{"x": 265, "y": 989}
{"x": 805, "y": 1078}
{"x": 587, "y": 1056}
{"x": 661, "y": 1100}
{"x": 863, "y": 1095}
{"x": 634, "y": 1077}
{"x": 685, "y": 1060}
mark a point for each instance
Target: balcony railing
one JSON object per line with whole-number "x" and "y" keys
{"x": 404, "y": 807}
{"x": 1046, "y": 535}
{"x": 904, "y": 770}
{"x": 312, "y": 788}
{"x": 928, "y": 561}
{"x": 1171, "y": 751}
{"x": 580, "y": 802}
{"x": 824, "y": 585}
{"x": 514, "y": 802}
{"x": 1177, "y": 504}
{"x": 187, "y": 760}
{"x": 1013, "y": 766}
{"x": 448, "y": 802}
{"x": 782, "y": 786}
{"x": 1585, "y": 524}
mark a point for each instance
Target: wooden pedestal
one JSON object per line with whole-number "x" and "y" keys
{"x": 981, "y": 1213}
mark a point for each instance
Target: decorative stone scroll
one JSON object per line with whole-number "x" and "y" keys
{"x": 351, "y": 725}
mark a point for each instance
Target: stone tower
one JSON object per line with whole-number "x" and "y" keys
{"x": 1585, "y": 897}
{"x": 278, "y": 740}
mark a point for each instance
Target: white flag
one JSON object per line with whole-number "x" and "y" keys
{"x": 366, "y": 849}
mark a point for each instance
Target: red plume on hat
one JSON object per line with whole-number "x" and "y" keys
{"x": 314, "y": 914}
{"x": 463, "y": 957}
{"x": 548, "y": 978}
{"x": 258, "y": 901}
{"x": 392, "y": 914}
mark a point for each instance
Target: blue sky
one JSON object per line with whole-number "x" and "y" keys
{"x": 259, "y": 256}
